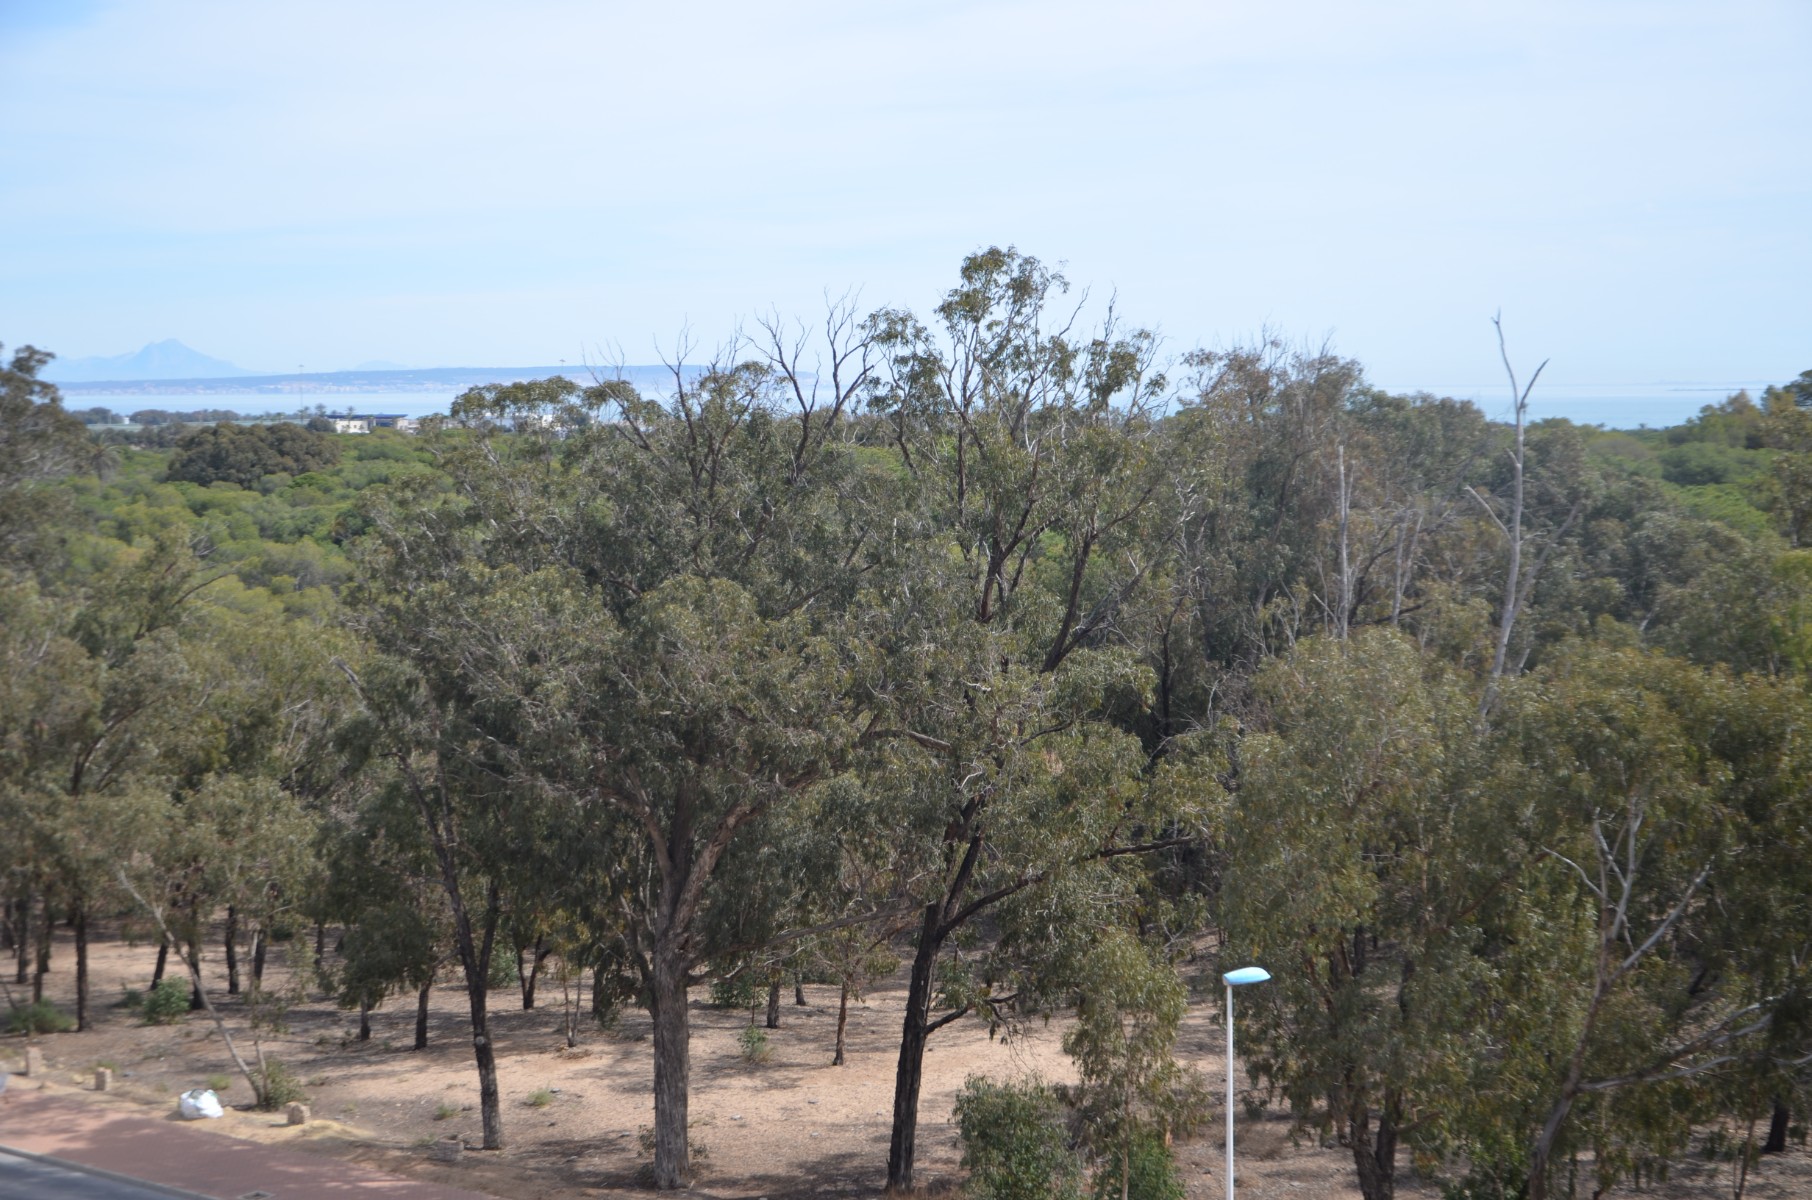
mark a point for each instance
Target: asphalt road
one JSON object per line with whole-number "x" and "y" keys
{"x": 29, "y": 1179}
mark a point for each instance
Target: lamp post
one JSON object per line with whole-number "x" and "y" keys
{"x": 1235, "y": 979}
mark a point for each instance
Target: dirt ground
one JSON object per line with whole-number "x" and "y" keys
{"x": 793, "y": 1126}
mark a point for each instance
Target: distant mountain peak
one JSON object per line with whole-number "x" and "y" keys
{"x": 168, "y": 359}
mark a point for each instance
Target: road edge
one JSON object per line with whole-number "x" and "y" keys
{"x": 102, "y": 1173}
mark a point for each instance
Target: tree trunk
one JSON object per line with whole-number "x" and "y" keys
{"x": 672, "y": 1066}
{"x": 197, "y": 1001}
{"x": 1777, "y": 1129}
{"x": 798, "y": 991}
{"x": 44, "y": 931}
{"x": 1776, "y": 1142}
{"x": 320, "y": 944}
{"x": 842, "y": 1023}
{"x": 259, "y": 942}
{"x": 163, "y": 957}
{"x": 80, "y": 917}
{"x": 22, "y": 940}
{"x": 364, "y": 1020}
{"x": 232, "y": 951}
{"x": 1375, "y": 1156}
{"x": 527, "y": 978}
{"x": 774, "y": 1003}
{"x": 902, "y": 1145}
{"x": 421, "y": 1017}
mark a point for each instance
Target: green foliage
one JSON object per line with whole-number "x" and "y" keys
{"x": 245, "y": 454}
{"x": 218, "y": 1083}
{"x": 539, "y": 1098}
{"x": 167, "y": 1003}
{"x": 445, "y": 1111}
{"x": 277, "y": 1086}
{"x": 1014, "y": 1145}
{"x": 735, "y": 991}
{"x": 39, "y": 1016}
{"x": 752, "y": 1043}
{"x": 1151, "y": 1175}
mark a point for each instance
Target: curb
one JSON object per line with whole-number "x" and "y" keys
{"x": 113, "y": 1176}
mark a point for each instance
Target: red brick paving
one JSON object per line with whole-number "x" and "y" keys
{"x": 176, "y": 1155}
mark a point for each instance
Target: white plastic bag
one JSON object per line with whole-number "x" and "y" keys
{"x": 199, "y": 1104}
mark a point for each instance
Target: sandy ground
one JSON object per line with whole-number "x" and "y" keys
{"x": 793, "y": 1126}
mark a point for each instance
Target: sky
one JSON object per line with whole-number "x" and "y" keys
{"x": 452, "y": 183}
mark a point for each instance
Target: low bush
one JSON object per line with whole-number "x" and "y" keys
{"x": 1014, "y": 1143}
{"x": 40, "y": 1016}
{"x": 1152, "y": 1174}
{"x": 737, "y": 991}
{"x": 754, "y": 1044}
{"x": 280, "y": 1087}
{"x": 166, "y": 1003}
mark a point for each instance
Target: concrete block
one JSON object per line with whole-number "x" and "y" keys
{"x": 447, "y": 1149}
{"x": 103, "y": 1079}
{"x": 34, "y": 1062}
{"x": 296, "y": 1114}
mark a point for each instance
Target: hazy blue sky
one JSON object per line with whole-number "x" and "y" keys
{"x": 485, "y": 183}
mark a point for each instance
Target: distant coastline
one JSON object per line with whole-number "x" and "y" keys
{"x": 329, "y": 383}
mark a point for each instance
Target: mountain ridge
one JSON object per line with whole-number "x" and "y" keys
{"x": 165, "y": 360}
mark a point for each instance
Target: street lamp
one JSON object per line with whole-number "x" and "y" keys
{"x": 1235, "y": 979}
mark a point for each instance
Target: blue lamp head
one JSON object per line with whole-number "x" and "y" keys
{"x": 1246, "y": 975}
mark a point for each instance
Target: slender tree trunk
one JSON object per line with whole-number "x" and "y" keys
{"x": 259, "y": 943}
{"x": 163, "y": 958}
{"x": 538, "y": 955}
{"x": 915, "y": 1028}
{"x": 799, "y": 991}
{"x": 320, "y": 944}
{"x": 44, "y": 931}
{"x": 490, "y": 1098}
{"x": 774, "y": 1003}
{"x": 197, "y": 1001}
{"x": 1777, "y": 1129}
{"x": 1744, "y": 1154}
{"x": 421, "y": 1017}
{"x": 364, "y": 1020}
{"x": 842, "y": 1023}
{"x": 672, "y": 1065}
{"x": 22, "y": 940}
{"x": 79, "y": 915}
{"x": 232, "y": 951}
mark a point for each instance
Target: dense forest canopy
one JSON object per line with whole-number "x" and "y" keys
{"x": 995, "y": 646}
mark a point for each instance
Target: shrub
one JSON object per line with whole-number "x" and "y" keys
{"x": 167, "y": 1003}
{"x": 1014, "y": 1144}
{"x": 280, "y": 1087}
{"x": 540, "y": 1098}
{"x": 736, "y": 991}
{"x": 754, "y": 1043}
{"x": 218, "y": 1083}
{"x": 1153, "y": 1173}
{"x": 131, "y": 999}
{"x": 445, "y": 1112}
{"x": 40, "y": 1016}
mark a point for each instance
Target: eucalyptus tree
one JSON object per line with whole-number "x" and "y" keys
{"x": 103, "y": 754}
{"x": 40, "y": 443}
{"x": 1025, "y": 450}
{"x": 1679, "y": 804}
{"x": 1377, "y": 851}
{"x": 627, "y": 614}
